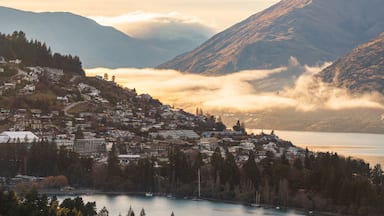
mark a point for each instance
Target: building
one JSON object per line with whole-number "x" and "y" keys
{"x": 2, "y": 60}
{"x": 127, "y": 158}
{"x": 175, "y": 134}
{"x": 90, "y": 146}
{"x": 18, "y": 137}
{"x": 66, "y": 143}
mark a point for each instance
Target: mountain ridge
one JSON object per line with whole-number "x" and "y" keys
{"x": 95, "y": 44}
{"x": 360, "y": 71}
{"x": 314, "y": 31}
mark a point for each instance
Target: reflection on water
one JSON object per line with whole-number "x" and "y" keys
{"x": 162, "y": 206}
{"x": 369, "y": 147}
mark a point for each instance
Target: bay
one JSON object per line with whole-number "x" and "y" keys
{"x": 163, "y": 206}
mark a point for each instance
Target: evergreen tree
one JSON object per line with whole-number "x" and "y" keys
{"x": 251, "y": 170}
{"x": 142, "y": 213}
{"x": 103, "y": 212}
{"x": 113, "y": 163}
{"x": 130, "y": 212}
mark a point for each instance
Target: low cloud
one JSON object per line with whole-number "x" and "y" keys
{"x": 236, "y": 92}
{"x": 157, "y": 25}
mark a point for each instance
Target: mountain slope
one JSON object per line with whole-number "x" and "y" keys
{"x": 360, "y": 71}
{"x": 314, "y": 31}
{"x": 96, "y": 45}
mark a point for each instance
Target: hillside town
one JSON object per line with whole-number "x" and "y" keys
{"x": 79, "y": 115}
{"x": 62, "y": 133}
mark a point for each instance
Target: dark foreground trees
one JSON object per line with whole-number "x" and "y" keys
{"x": 322, "y": 181}
{"x": 33, "y": 204}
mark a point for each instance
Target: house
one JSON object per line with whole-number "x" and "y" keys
{"x": 127, "y": 158}
{"x": 65, "y": 143}
{"x": 10, "y": 85}
{"x": 2, "y": 60}
{"x": 16, "y": 61}
{"x": 28, "y": 89}
{"x": 54, "y": 74}
{"x": 18, "y": 136}
{"x": 175, "y": 134}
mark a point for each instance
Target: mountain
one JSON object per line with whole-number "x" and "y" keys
{"x": 360, "y": 71}
{"x": 96, "y": 45}
{"x": 313, "y": 31}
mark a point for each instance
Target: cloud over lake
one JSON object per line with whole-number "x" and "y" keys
{"x": 238, "y": 91}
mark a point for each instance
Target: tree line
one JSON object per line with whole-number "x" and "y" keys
{"x": 322, "y": 181}
{"x": 35, "y": 53}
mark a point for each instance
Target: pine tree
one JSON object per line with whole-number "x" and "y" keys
{"x": 130, "y": 212}
{"x": 113, "y": 163}
{"x": 103, "y": 212}
{"x": 142, "y": 213}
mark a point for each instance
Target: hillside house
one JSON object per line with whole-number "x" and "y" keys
{"x": 18, "y": 137}
{"x": 2, "y": 60}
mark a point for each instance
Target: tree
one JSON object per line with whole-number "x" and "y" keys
{"x": 217, "y": 163}
{"x": 103, "y": 212}
{"x": 298, "y": 164}
{"x": 142, "y": 213}
{"x": 130, "y": 212}
{"x": 79, "y": 133}
{"x": 230, "y": 172}
{"x": 240, "y": 127}
{"x": 377, "y": 175}
{"x": 251, "y": 170}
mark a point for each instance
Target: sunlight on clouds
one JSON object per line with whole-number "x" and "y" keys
{"x": 140, "y": 16}
{"x": 158, "y": 25}
{"x": 235, "y": 91}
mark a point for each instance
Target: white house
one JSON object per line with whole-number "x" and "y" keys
{"x": 16, "y": 61}
{"x": 126, "y": 158}
{"x": 2, "y": 60}
{"x": 18, "y": 136}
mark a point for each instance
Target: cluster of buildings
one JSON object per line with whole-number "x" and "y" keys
{"x": 84, "y": 120}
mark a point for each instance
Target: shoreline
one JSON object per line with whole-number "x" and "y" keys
{"x": 90, "y": 192}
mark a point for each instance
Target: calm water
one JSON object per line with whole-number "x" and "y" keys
{"x": 369, "y": 147}
{"x": 162, "y": 206}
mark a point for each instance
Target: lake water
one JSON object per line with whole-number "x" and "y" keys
{"x": 369, "y": 147}
{"x": 163, "y": 206}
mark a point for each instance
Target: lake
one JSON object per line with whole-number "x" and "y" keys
{"x": 163, "y": 206}
{"x": 369, "y": 147}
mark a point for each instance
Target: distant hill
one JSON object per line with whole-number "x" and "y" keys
{"x": 360, "y": 71}
{"x": 96, "y": 45}
{"x": 313, "y": 31}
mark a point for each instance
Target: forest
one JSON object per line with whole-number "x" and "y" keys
{"x": 319, "y": 182}
{"x": 35, "y": 53}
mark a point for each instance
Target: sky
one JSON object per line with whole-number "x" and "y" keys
{"x": 215, "y": 14}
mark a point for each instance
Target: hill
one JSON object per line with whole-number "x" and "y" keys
{"x": 360, "y": 71}
{"x": 96, "y": 45}
{"x": 313, "y": 31}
